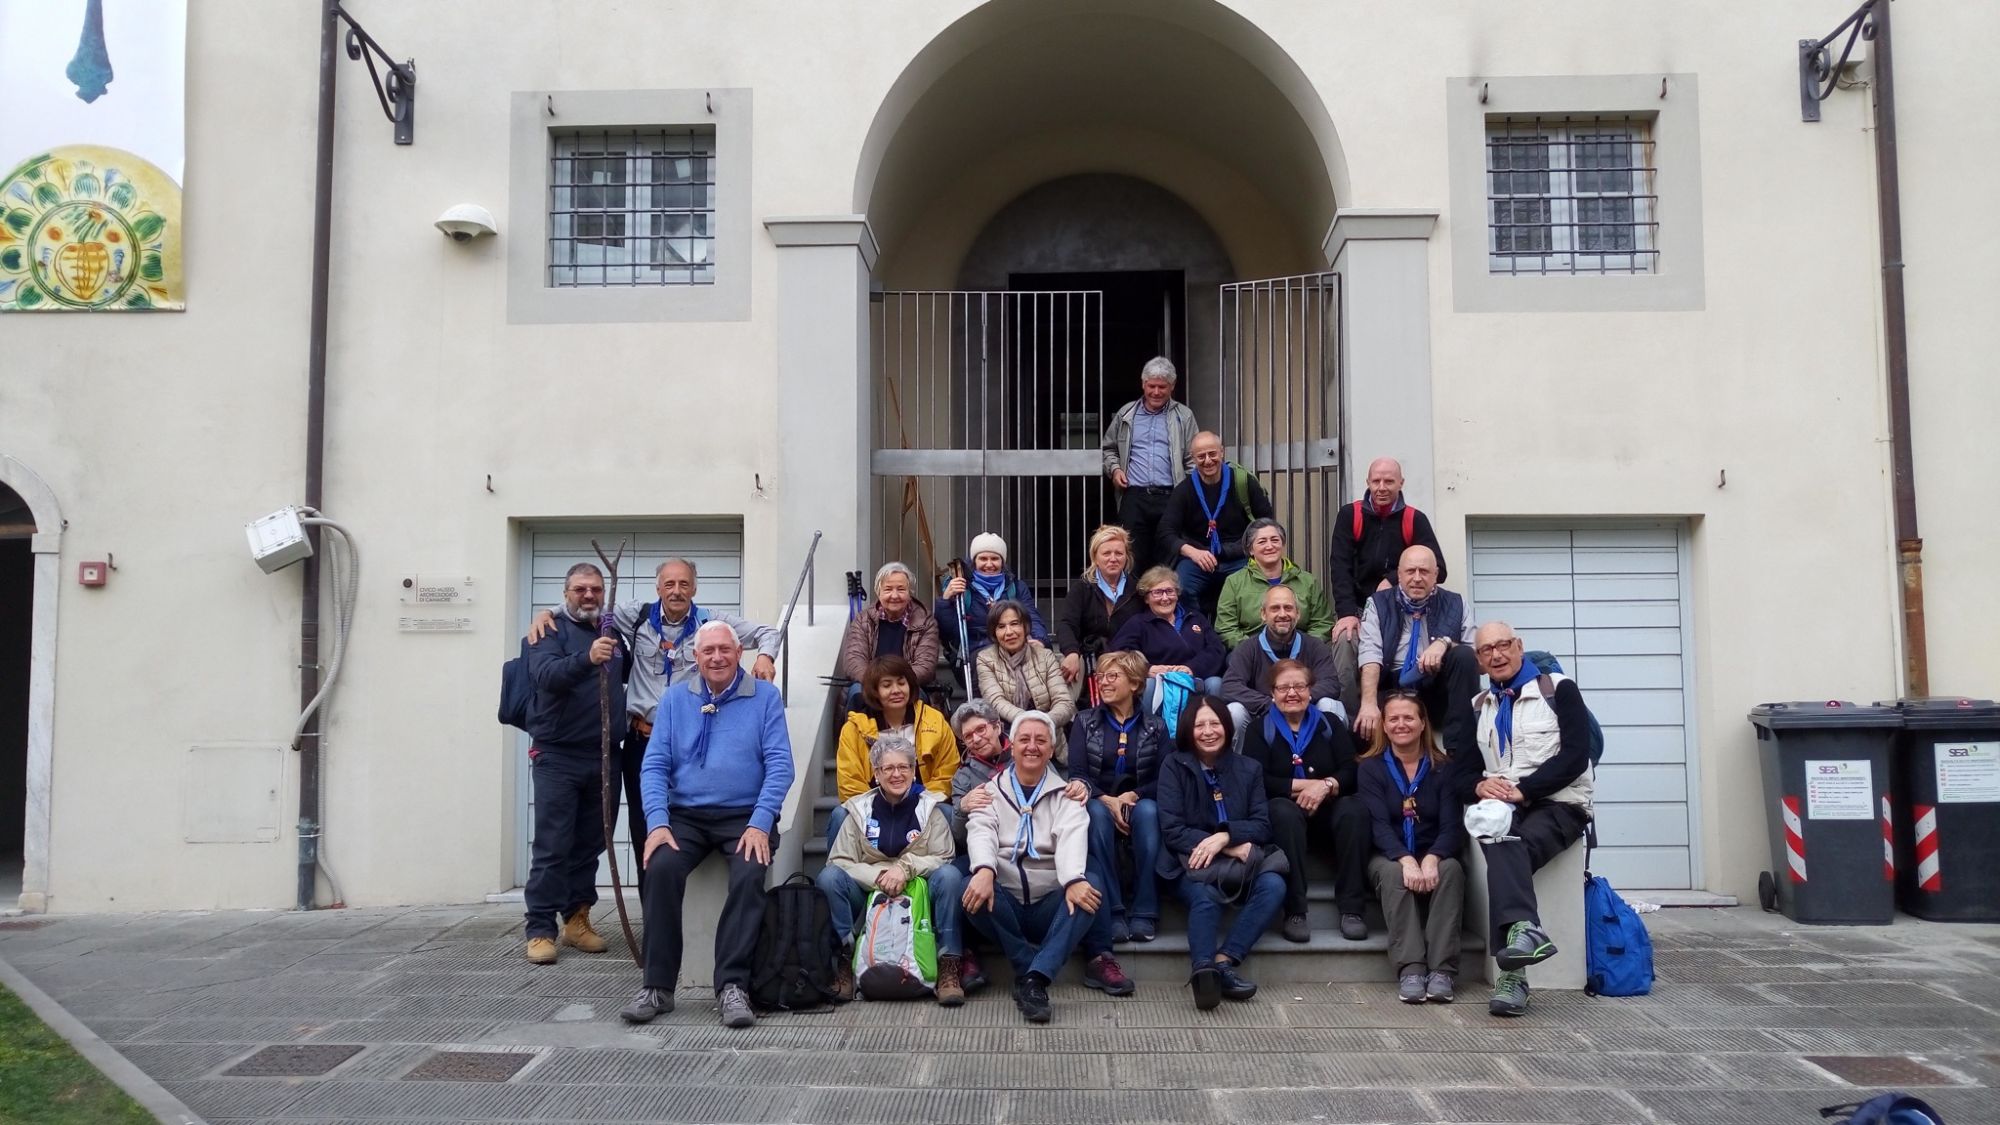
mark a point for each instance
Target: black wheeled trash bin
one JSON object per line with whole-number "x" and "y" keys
{"x": 1827, "y": 776}
{"x": 1948, "y": 809}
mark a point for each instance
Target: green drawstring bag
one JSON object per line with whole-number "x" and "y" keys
{"x": 895, "y": 955}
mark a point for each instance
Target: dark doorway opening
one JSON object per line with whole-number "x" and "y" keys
{"x": 1144, "y": 314}
{"x": 17, "y": 603}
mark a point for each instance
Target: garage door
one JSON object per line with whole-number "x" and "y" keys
{"x": 1609, "y": 601}
{"x": 716, "y": 549}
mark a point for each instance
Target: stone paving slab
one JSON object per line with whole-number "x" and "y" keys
{"x": 1743, "y": 999}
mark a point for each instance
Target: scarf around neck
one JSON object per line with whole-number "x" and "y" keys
{"x": 711, "y": 705}
{"x": 1214, "y": 511}
{"x": 1413, "y": 612}
{"x": 1503, "y": 722}
{"x": 1017, "y": 663}
{"x": 1024, "y": 828}
{"x": 1408, "y": 788}
{"x": 1113, "y": 593}
{"x": 1264, "y": 642}
{"x": 989, "y": 585}
{"x": 1119, "y": 765}
{"x": 1276, "y": 728}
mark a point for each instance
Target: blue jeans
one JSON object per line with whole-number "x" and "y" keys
{"x": 1145, "y": 820}
{"x": 845, "y": 898}
{"x": 838, "y": 817}
{"x": 1037, "y": 936}
{"x": 1194, "y": 581}
{"x": 568, "y": 838}
{"x": 1204, "y": 909}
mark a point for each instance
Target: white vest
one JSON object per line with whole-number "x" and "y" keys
{"x": 1536, "y": 739}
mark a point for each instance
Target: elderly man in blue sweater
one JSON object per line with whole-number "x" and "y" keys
{"x": 714, "y": 779}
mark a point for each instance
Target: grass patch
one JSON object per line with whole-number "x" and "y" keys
{"x": 42, "y": 1080}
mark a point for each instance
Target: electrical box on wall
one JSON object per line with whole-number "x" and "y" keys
{"x": 92, "y": 573}
{"x": 278, "y": 540}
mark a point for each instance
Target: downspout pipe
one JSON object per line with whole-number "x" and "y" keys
{"x": 309, "y": 593}
{"x": 1895, "y": 332}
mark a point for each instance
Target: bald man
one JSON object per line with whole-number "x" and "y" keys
{"x": 1416, "y": 637}
{"x": 1201, "y": 533}
{"x": 1369, "y": 537}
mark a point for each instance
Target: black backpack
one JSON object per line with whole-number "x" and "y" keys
{"x": 794, "y": 967}
{"x": 517, "y": 691}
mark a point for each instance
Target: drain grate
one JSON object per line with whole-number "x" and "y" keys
{"x": 1879, "y": 1070}
{"x": 24, "y": 923}
{"x": 294, "y": 1060}
{"x": 470, "y": 1066}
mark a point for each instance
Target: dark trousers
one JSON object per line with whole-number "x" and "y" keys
{"x": 568, "y": 838}
{"x": 1139, "y": 512}
{"x": 1545, "y": 830}
{"x": 1036, "y": 936}
{"x": 700, "y": 832}
{"x": 1447, "y": 697}
{"x": 629, "y": 759}
{"x": 1342, "y": 824}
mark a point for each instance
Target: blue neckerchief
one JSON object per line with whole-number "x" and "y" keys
{"x": 1264, "y": 642}
{"x": 711, "y": 702}
{"x": 1180, "y": 615}
{"x": 1408, "y": 788}
{"x": 694, "y": 620}
{"x": 989, "y": 585}
{"x": 1124, "y": 729}
{"x": 1503, "y": 723}
{"x": 1275, "y": 727}
{"x": 1414, "y": 614}
{"x": 1024, "y": 830}
{"x": 1213, "y": 511}
{"x": 1215, "y": 791}
{"x": 1113, "y": 593}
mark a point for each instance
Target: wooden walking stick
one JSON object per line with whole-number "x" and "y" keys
{"x": 607, "y": 626}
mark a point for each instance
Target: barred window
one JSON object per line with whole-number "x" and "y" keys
{"x": 632, "y": 207}
{"x": 1570, "y": 195}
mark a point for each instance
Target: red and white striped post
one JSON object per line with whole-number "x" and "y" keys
{"x": 1928, "y": 876}
{"x": 1795, "y": 841}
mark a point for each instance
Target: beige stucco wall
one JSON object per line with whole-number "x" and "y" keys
{"x": 161, "y": 434}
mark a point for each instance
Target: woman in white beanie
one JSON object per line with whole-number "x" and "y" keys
{"x": 971, "y": 599}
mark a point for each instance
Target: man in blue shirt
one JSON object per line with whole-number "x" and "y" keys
{"x": 1146, "y": 454}
{"x": 715, "y": 777}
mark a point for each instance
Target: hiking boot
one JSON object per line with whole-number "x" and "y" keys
{"x": 1031, "y": 996}
{"x": 950, "y": 992}
{"x": 735, "y": 1006}
{"x": 1106, "y": 975}
{"x": 541, "y": 951}
{"x": 1410, "y": 990}
{"x": 1353, "y": 927}
{"x": 843, "y": 976}
{"x": 1207, "y": 985}
{"x": 1121, "y": 931}
{"x": 646, "y": 1004}
{"x": 970, "y": 974}
{"x": 1298, "y": 928}
{"x": 577, "y": 934}
{"x": 1438, "y": 988}
{"x": 1510, "y": 994}
{"x": 1235, "y": 986}
{"x": 1144, "y": 929}
{"x": 1526, "y": 945}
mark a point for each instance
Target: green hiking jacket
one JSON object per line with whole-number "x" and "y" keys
{"x": 1239, "y": 612}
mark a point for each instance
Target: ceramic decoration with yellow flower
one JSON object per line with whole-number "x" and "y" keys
{"x": 86, "y": 227}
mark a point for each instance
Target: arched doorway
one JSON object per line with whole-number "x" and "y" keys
{"x": 1051, "y": 186}
{"x": 30, "y": 538}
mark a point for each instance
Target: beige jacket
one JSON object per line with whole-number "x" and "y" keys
{"x": 1060, "y": 829}
{"x": 1537, "y": 737}
{"x": 1046, "y": 685}
{"x": 863, "y": 861}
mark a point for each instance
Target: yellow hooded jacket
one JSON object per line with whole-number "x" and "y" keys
{"x": 937, "y": 752}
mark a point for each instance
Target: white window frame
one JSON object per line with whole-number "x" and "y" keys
{"x": 1564, "y": 197}
{"x": 661, "y": 179}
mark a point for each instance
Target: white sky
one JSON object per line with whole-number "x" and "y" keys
{"x": 142, "y": 110}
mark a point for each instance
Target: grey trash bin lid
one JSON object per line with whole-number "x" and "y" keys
{"x": 1823, "y": 714}
{"x": 1946, "y": 712}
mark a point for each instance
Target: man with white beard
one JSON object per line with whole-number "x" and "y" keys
{"x": 566, "y": 723}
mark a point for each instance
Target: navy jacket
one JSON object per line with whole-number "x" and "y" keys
{"x": 1093, "y": 753}
{"x": 1440, "y": 818}
{"x": 1196, "y": 645}
{"x": 1331, "y": 754}
{"x": 977, "y": 609}
{"x": 1187, "y": 808}
{"x": 565, "y": 716}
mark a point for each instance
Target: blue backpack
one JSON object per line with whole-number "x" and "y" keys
{"x": 1550, "y": 666}
{"x": 1886, "y": 1109}
{"x": 1618, "y": 955}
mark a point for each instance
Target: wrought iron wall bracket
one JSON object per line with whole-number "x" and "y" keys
{"x": 1819, "y": 74}
{"x": 395, "y": 82}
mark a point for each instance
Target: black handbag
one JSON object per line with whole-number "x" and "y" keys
{"x": 1231, "y": 877}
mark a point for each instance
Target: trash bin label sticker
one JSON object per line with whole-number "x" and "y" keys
{"x": 1967, "y": 772}
{"x": 1840, "y": 790}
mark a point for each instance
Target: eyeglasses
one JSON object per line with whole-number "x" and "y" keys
{"x": 1160, "y": 593}
{"x": 599, "y": 590}
{"x": 1496, "y": 646}
{"x": 895, "y": 769}
{"x": 1291, "y": 689}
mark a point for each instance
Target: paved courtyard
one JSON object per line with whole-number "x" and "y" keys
{"x": 430, "y": 1015}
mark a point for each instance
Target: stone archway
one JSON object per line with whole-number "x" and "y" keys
{"x": 46, "y": 545}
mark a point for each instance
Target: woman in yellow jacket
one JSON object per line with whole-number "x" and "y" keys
{"x": 889, "y": 702}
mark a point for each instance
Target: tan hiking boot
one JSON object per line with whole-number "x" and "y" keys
{"x": 843, "y": 977}
{"x": 577, "y": 934}
{"x": 950, "y": 992}
{"x": 542, "y": 951}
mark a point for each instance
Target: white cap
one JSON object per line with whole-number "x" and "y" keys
{"x": 1489, "y": 819}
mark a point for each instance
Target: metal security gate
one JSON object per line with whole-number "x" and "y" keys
{"x": 989, "y": 413}
{"x": 1281, "y": 400}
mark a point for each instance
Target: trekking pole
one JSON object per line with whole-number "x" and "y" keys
{"x": 957, "y": 569}
{"x": 607, "y": 626}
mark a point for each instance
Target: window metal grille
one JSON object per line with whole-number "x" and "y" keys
{"x": 632, "y": 207}
{"x": 1571, "y": 195}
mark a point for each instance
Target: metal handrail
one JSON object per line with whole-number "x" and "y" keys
{"x": 805, "y": 583}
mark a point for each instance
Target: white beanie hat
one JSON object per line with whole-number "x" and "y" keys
{"x": 987, "y": 541}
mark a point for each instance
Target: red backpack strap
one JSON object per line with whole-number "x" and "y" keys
{"x": 1409, "y": 525}
{"x": 1357, "y": 521}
